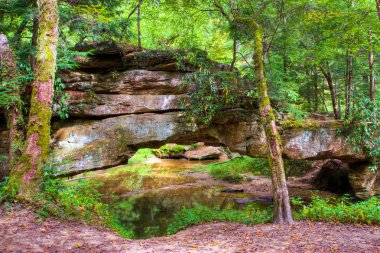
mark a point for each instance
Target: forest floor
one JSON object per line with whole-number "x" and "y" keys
{"x": 22, "y": 231}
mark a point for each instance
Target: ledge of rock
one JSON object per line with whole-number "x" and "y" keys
{"x": 136, "y": 97}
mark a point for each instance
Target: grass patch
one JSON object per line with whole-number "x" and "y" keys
{"x": 202, "y": 214}
{"x": 142, "y": 155}
{"x": 233, "y": 169}
{"x": 339, "y": 210}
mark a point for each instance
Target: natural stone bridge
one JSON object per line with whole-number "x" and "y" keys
{"x": 121, "y": 102}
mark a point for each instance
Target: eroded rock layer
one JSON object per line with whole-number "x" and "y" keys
{"x": 120, "y": 101}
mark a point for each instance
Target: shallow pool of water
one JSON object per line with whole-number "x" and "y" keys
{"x": 149, "y": 214}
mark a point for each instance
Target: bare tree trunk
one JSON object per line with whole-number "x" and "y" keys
{"x": 315, "y": 89}
{"x": 234, "y": 50}
{"x": 27, "y": 175}
{"x": 138, "y": 25}
{"x": 329, "y": 80}
{"x": 378, "y": 8}
{"x": 14, "y": 114}
{"x": 348, "y": 83}
{"x": 282, "y": 210}
{"x": 371, "y": 63}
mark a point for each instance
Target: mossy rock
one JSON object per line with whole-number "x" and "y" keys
{"x": 170, "y": 151}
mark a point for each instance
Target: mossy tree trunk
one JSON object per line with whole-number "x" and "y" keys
{"x": 282, "y": 210}
{"x": 27, "y": 175}
{"x": 14, "y": 114}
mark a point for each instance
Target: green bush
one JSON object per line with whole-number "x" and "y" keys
{"x": 202, "y": 214}
{"x": 341, "y": 210}
{"x": 76, "y": 203}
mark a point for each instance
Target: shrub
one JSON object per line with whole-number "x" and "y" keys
{"x": 341, "y": 210}
{"x": 76, "y": 203}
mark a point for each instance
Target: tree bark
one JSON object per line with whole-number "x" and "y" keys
{"x": 327, "y": 75}
{"x": 14, "y": 114}
{"x": 138, "y": 25}
{"x": 348, "y": 83}
{"x": 371, "y": 63}
{"x": 315, "y": 89}
{"x": 378, "y": 8}
{"x": 27, "y": 175}
{"x": 282, "y": 209}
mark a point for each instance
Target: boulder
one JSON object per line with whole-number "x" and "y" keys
{"x": 204, "y": 153}
{"x": 365, "y": 183}
{"x": 170, "y": 151}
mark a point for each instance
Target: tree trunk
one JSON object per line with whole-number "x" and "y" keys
{"x": 348, "y": 83}
{"x": 282, "y": 210}
{"x": 327, "y": 75}
{"x": 234, "y": 50}
{"x": 371, "y": 63}
{"x": 378, "y": 8}
{"x": 315, "y": 90}
{"x": 138, "y": 25}
{"x": 26, "y": 176}
{"x": 14, "y": 114}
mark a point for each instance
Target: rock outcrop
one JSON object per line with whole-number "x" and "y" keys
{"x": 123, "y": 100}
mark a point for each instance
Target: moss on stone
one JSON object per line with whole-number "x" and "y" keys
{"x": 169, "y": 150}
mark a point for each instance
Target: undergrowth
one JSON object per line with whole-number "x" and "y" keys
{"x": 234, "y": 169}
{"x": 340, "y": 210}
{"x": 202, "y": 214}
{"x": 79, "y": 202}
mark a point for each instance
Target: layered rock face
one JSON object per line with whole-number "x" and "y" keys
{"x": 119, "y": 103}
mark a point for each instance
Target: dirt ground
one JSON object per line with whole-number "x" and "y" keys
{"x": 22, "y": 231}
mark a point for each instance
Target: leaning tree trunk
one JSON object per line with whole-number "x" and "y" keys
{"x": 14, "y": 114}
{"x": 282, "y": 210}
{"x": 27, "y": 175}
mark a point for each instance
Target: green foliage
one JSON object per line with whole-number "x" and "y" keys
{"x": 169, "y": 150}
{"x": 142, "y": 155}
{"x": 3, "y": 189}
{"x": 212, "y": 90}
{"x": 341, "y": 210}
{"x": 363, "y": 130}
{"x": 201, "y": 214}
{"x": 79, "y": 202}
{"x": 233, "y": 169}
